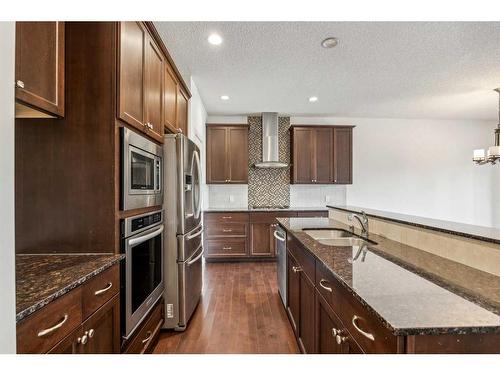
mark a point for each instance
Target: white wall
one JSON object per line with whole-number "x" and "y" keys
{"x": 196, "y": 129}
{"x": 420, "y": 167}
{"x": 7, "y": 251}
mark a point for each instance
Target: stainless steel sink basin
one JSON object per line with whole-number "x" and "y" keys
{"x": 335, "y": 237}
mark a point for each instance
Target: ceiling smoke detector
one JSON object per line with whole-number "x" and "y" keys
{"x": 329, "y": 42}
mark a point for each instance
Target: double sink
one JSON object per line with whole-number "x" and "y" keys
{"x": 337, "y": 237}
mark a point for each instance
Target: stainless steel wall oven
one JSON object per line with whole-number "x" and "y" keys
{"x": 141, "y": 171}
{"x": 143, "y": 278}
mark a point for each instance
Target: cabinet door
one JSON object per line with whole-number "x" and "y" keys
{"x": 238, "y": 154}
{"x": 40, "y": 67}
{"x": 103, "y": 329}
{"x": 303, "y": 147}
{"x": 69, "y": 345}
{"x": 216, "y": 155}
{"x": 260, "y": 239}
{"x": 154, "y": 90}
{"x": 293, "y": 291}
{"x": 342, "y": 158}
{"x": 182, "y": 111}
{"x": 131, "y": 80}
{"x": 328, "y": 326}
{"x": 306, "y": 314}
{"x": 169, "y": 100}
{"x": 323, "y": 156}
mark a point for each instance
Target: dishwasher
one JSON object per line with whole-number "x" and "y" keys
{"x": 280, "y": 242}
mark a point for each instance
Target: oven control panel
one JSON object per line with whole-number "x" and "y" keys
{"x": 145, "y": 221}
{"x": 139, "y": 223}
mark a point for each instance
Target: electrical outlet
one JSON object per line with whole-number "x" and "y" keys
{"x": 231, "y": 198}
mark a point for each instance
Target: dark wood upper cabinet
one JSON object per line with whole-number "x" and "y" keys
{"x": 321, "y": 154}
{"x": 303, "y": 155}
{"x": 169, "y": 100}
{"x": 154, "y": 89}
{"x": 342, "y": 156}
{"x": 39, "y": 75}
{"x": 227, "y": 154}
{"x": 182, "y": 111}
{"x": 131, "y": 74}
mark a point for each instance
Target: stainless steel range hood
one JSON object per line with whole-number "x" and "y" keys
{"x": 270, "y": 142}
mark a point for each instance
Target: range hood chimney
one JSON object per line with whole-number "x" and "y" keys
{"x": 270, "y": 142}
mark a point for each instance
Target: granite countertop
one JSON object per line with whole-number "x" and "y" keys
{"x": 410, "y": 290}
{"x": 477, "y": 232}
{"x": 42, "y": 278}
{"x": 250, "y": 209}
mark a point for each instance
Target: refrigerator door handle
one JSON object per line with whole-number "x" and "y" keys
{"x": 196, "y": 259}
{"x": 191, "y": 236}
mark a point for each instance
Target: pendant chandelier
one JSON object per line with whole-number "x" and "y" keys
{"x": 492, "y": 154}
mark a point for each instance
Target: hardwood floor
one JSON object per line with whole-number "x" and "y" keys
{"x": 240, "y": 312}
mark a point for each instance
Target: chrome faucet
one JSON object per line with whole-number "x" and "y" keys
{"x": 363, "y": 221}
{"x": 363, "y": 249}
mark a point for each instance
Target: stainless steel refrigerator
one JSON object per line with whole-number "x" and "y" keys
{"x": 183, "y": 248}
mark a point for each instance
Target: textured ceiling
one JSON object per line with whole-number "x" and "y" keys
{"x": 379, "y": 69}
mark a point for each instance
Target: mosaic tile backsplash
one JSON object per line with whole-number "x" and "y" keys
{"x": 268, "y": 186}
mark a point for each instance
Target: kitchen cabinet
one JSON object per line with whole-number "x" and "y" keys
{"x": 227, "y": 154}
{"x": 244, "y": 235}
{"x": 39, "y": 69}
{"x": 182, "y": 111}
{"x": 132, "y": 36}
{"x": 154, "y": 89}
{"x": 169, "y": 100}
{"x": 321, "y": 155}
{"x": 293, "y": 282}
{"x": 84, "y": 320}
{"x": 147, "y": 333}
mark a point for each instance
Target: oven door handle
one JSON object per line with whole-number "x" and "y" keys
{"x": 196, "y": 259}
{"x": 138, "y": 240}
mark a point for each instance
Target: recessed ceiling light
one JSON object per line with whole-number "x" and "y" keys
{"x": 224, "y": 97}
{"x": 329, "y": 42}
{"x": 313, "y": 99}
{"x": 215, "y": 39}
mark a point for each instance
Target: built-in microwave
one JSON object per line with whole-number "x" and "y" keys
{"x": 141, "y": 171}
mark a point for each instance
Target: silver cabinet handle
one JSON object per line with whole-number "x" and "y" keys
{"x": 321, "y": 283}
{"x": 227, "y": 248}
{"x": 104, "y": 290}
{"x": 20, "y": 84}
{"x": 227, "y": 217}
{"x": 355, "y": 319}
{"x": 296, "y": 269}
{"x": 227, "y": 230}
{"x": 150, "y": 334}
{"x": 151, "y": 126}
{"x": 278, "y": 237}
{"x": 340, "y": 339}
{"x": 83, "y": 340}
{"x": 53, "y": 328}
{"x": 91, "y": 333}
{"x": 179, "y": 130}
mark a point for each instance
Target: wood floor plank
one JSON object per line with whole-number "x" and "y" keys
{"x": 240, "y": 312}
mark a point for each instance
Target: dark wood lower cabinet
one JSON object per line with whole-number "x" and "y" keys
{"x": 306, "y": 316}
{"x": 293, "y": 281}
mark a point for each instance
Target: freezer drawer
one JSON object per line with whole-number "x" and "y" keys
{"x": 190, "y": 284}
{"x": 189, "y": 243}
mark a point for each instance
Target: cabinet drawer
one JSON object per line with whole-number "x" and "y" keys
{"x": 270, "y": 217}
{"x": 226, "y": 247}
{"x": 143, "y": 340}
{"x": 100, "y": 289}
{"x": 365, "y": 327}
{"x": 226, "y": 217}
{"x": 328, "y": 287}
{"x": 304, "y": 260}
{"x": 45, "y": 328}
{"x": 230, "y": 229}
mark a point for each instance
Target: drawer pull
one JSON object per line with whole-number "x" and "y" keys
{"x": 227, "y": 248}
{"x": 54, "y": 328}
{"x": 227, "y": 217}
{"x": 321, "y": 283}
{"x": 104, "y": 290}
{"x": 355, "y": 319}
{"x": 296, "y": 269}
{"x": 150, "y": 334}
{"x": 227, "y": 230}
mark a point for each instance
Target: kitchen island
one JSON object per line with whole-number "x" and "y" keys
{"x": 383, "y": 296}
